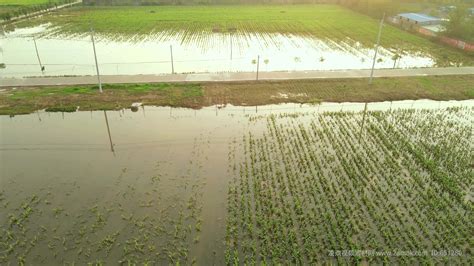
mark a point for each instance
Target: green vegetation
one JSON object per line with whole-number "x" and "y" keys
{"x": 189, "y": 90}
{"x": 197, "y": 95}
{"x": 323, "y": 188}
{"x": 60, "y": 99}
{"x": 194, "y": 23}
{"x": 461, "y": 24}
{"x": 374, "y": 7}
{"x": 302, "y": 187}
{"x": 27, "y": 2}
{"x": 65, "y": 109}
{"x": 134, "y": 222}
{"x": 13, "y": 8}
{"x": 341, "y": 90}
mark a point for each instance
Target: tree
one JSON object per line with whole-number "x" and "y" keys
{"x": 460, "y": 24}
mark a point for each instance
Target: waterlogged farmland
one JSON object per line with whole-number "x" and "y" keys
{"x": 82, "y": 203}
{"x": 276, "y": 184}
{"x": 223, "y": 54}
{"x": 137, "y": 40}
{"x": 310, "y": 187}
{"x": 195, "y": 23}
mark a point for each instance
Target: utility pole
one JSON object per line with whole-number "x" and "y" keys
{"x": 95, "y": 57}
{"x": 376, "y": 50}
{"x": 231, "y": 46}
{"x": 37, "y": 55}
{"x": 172, "y": 63}
{"x": 258, "y": 63}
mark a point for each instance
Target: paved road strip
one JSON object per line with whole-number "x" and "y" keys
{"x": 234, "y": 76}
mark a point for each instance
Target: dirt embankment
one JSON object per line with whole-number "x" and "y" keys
{"x": 198, "y": 95}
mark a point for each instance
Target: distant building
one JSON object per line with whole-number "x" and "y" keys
{"x": 431, "y": 30}
{"x": 419, "y": 19}
{"x": 435, "y": 28}
{"x": 415, "y": 20}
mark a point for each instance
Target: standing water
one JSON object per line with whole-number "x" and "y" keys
{"x": 217, "y": 52}
{"x": 158, "y": 196}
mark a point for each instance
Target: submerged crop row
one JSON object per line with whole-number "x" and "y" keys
{"x": 139, "y": 219}
{"x": 320, "y": 188}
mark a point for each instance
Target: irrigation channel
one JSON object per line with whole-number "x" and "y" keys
{"x": 278, "y": 183}
{"x": 73, "y": 55}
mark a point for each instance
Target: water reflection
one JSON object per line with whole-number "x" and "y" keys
{"x": 108, "y": 132}
{"x": 278, "y": 52}
{"x": 160, "y": 162}
{"x": 163, "y": 125}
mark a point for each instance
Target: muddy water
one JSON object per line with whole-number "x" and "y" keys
{"x": 159, "y": 196}
{"x": 73, "y": 55}
{"x": 65, "y": 161}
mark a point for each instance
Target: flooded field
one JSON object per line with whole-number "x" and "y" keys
{"x": 171, "y": 185}
{"x": 216, "y": 52}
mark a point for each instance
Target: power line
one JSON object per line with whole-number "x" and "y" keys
{"x": 127, "y": 63}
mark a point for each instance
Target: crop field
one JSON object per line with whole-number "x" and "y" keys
{"x": 320, "y": 188}
{"x": 264, "y": 172}
{"x": 10, "y": 8}
{"x": 139, "y": 218}
{"x": 339, "y": 27}
{"x": 322, "y": 21}
{"x": 25, "y": 2}
{"x": 251, "y": 189}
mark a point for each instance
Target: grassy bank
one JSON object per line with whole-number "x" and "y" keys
{"x": 194, "y": 23}
{"x": 197, "y": 95}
